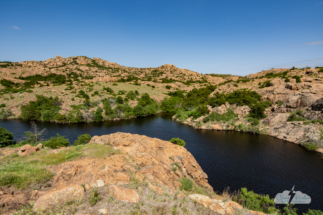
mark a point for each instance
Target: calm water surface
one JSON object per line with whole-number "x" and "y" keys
{"x": 231, "y": 159}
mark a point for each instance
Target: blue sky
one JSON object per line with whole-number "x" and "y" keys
{"x": 207, "y": 36}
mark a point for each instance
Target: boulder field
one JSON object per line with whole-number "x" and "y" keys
{"x": 142, "y": 174}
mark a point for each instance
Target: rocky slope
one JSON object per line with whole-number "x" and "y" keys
{"x": 67, "y": 76}
{"x": 136, "y": 175}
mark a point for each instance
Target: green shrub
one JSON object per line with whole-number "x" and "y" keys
{"x": 168, "y": 87}
{"x": 139, "y": 111}
{"x": 178, "y": 141}
{"x": 313, "y": 212}
{"x": 186, "y": 184}
{"x": 82, "y": 94}
{"x": 299, "y": 112}
{"x": 131, "y": 95}
{"x": 43, "y": 108}
{"x": 298, "y": 78}
{"x": 119, "y": 100}
{"x": 145, "y": 100}
{"x": 256, "y": 202}
{"x": 200, "y": 111}
{"x": 107, "y": 108}
{"x": 57, "y": 142}
{"x": 294, "y": 117}
{"x": 287, "y": 79}
{"x": 279, "y": 103}
{"x": 6, "y": 138}
{"x": 2, "y": 105}
{"x": 320, "y": 70}
{"x": 121, "y": 92}
{"x": 94, "y": 197}
{"x": 5, "y": 113}
{"x": 310, "y": 146}
{"x": 258, "y": 109}
{"x": 98, "y": 115}
{"x": 82, "y": 139}
{"x": 253, "y": 121}
{"x": 317, "y": 121}
{"x": 265, "y": 84}
{"x": 169, "y": 104}
{"x": 226, "y": 117}
{"x": 96, "y": 93}
{"x": 108, "y": 89}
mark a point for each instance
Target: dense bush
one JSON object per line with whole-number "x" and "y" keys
{"x": 2, "y": 105}
{"x": 98, "y": 117}
{"x": 82, "y": 139}
{"x": 43, "y": 108}
{"x": 186, "y": 184}
{"x": 108, "y": 89}
{"x": 258, "y": 109}
{"x": 119, "y": 100}
{"x": 178, "y": 141}
{"x": 139, "y": 111}
{"x": 256, "y": 202}
{"x": 82, "y": 94}
{"x": 253, "y": 121}
{"x": 6, "y": 138}
{"x": 298, "y": 78}
{"x": 169, "y": 105}
{"x": 294, "y": 117}
{"x": 107, "y": 108}
{"x": 228, "y": 116}
{"x": 5, "y": 113}
{"x": 54, "y": 78}
{"x": 56, "y": 142}
{"x": 131, "y": 95}
{"x": 264, "y": 84}
{"x": 279, "y": 103}
{"x": 243, "y": 97}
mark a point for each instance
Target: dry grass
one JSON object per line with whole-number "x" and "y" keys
{"x": 22, "y": 172}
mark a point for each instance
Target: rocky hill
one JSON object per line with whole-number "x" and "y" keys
{"x": 120, "y": 173}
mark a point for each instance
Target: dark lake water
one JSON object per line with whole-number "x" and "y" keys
{"x": 261, "y": 163}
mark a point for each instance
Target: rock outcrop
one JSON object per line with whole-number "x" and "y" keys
{"x": 59, "y": 196}
{"x": 28, "y": 149}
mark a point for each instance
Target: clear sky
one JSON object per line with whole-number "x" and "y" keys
{"x": 207, "y": 36}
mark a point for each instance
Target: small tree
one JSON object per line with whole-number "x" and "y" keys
{"x": 82, "y": 139}
{"x": 98, "y": 115}
{"x": 34, "y": 135}
{"x": 5, "y": 113}
{"x": 178, "y": 141}
{"x": 57, "y": 142}
{"x": 6, "y": 138}
{"x": 119, "y": 100}
{"x": 107, "y": 108}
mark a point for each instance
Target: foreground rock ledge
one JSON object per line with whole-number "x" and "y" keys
{"x": 137, "y": 159}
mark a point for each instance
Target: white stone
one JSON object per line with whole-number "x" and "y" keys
{"x": 100, "y": 183}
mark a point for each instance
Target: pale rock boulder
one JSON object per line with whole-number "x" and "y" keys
{"x": 123, "y": 194}
{"x": 276, "y": 118}
{"x": 27, "y": 150}
{"x": 59, "y": 197}
{"x": 216, "y": 205}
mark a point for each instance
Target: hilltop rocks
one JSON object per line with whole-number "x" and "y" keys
{"x": 59, "y": 197}
{"x": 28, "y": 149}
{"x": 218, "y": 206}
{"x": 126, "y": 195}
{"x": 276, "y": 118}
